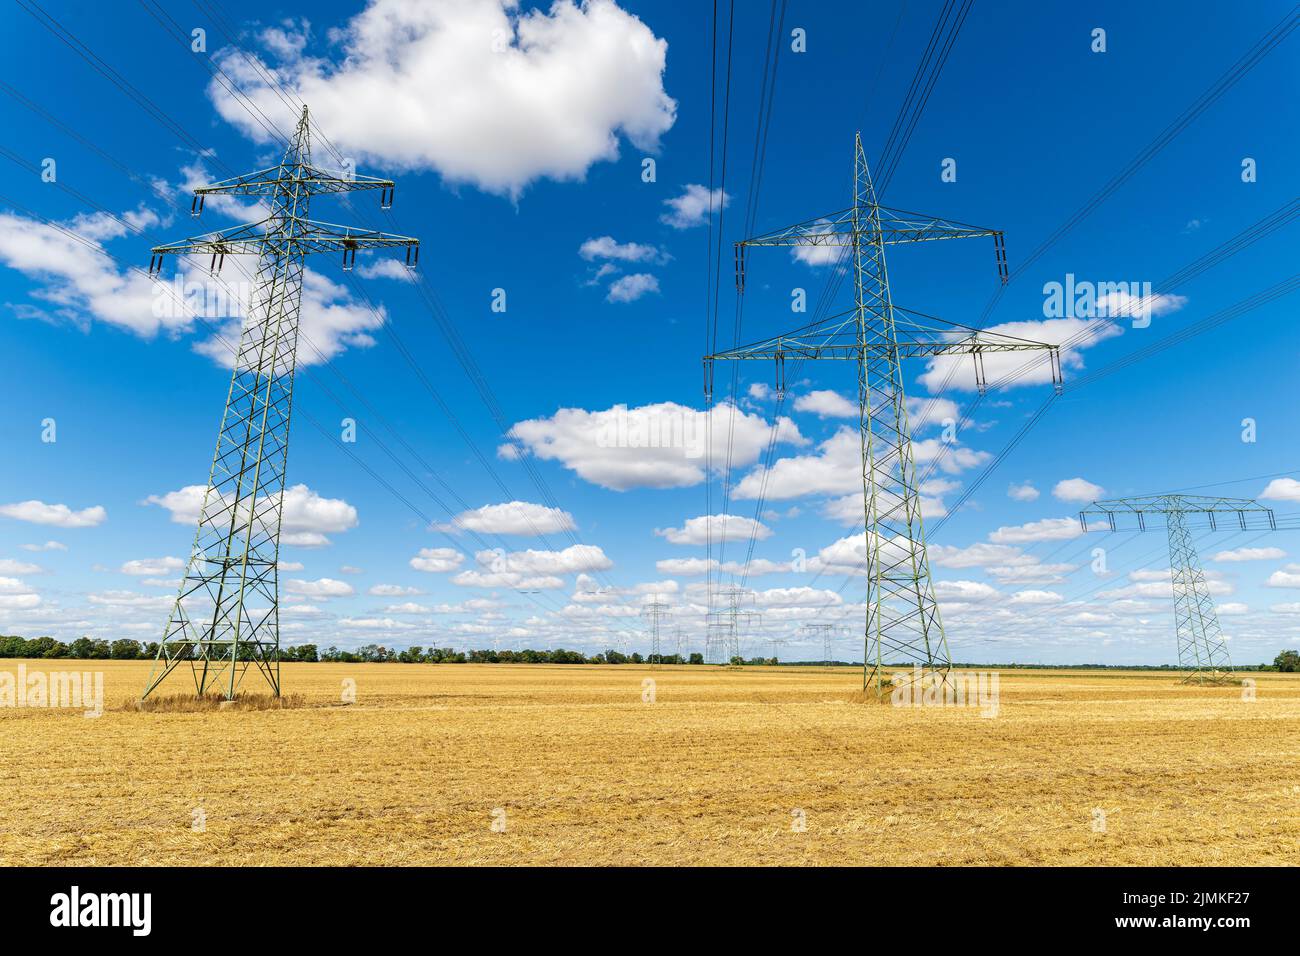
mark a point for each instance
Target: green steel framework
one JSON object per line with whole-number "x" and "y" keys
{"x": 1202, "y": 651}
{"x": 226, "y": 615}
{"x": 902, "y": 617}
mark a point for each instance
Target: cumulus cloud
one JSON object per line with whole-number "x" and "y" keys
{"x": 606, "y": 247}
{"x": 1282, "y": 489}
{"x": 477, "y": 90}
{"x": 836, "y": 467}
{"x": 649, "y": 446}
{"x": 1287, "y": 577}
{"x": 1077, "y": 490}
{"x": 80, "y": 283}
{"x": 723, "y": 527}
{"x": 307, "y": 516}
{"x": 60, "y": 515}
{"x": 47, "y": 546}
{"x": 320, "y": 589}
{"x": 152, "y": 567}
{"x": 826, "y": 404}
{"x": 1249, "y": 554}
{"x": 393, "y": 590}
{"x": 1048, "y": 529}
{"x": 514, "y": 517}
{"x": 629, "y": 288}
{"x": 437, "y": 560}
{"x": 1022, "y": 492}
{"x": 15, "y": 595}
{"x": 692, "y": 207}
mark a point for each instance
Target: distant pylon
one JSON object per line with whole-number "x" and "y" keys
{"x": 827, "y": 632}
{"x": 723, "y": 626}
{"x": 902, "y": 617}
{"x": 655, "y": 611}
{"x": 227, "y": 612}
{"x": 1202, "y": 651}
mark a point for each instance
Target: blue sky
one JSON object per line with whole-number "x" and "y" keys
{"x": 520, "y": 169}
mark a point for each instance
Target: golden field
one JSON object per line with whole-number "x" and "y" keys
{"x": 580, "y": 770}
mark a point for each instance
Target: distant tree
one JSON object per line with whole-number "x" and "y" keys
{"x": 125, "y": 650}
{"x": 697, "y": 658}
{"x": 81, "y": 648}
{"x": 1288, "y": 662}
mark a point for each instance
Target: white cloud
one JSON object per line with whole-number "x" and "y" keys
{"x": 81, "y": 281}
{"x": 15, "y": 595}
{"x": 649, "y": 446}
{"x": 573, "y": 559}
{"x": 320, "y": 589}
{"x": 60, "y": 516}
{"x": 691, "y": 208}
{"x": 1250, "y": 554}
{"x": 836, "y": 467}
{"x": 1036, "y": 597}
{"x": 1282, "y": 489}
{"x": 385, "y": 267}
{"x": 47, "y": 546}
{"x": 826, "y": 404}
{"x": 9, "y": 566}
{"x": 1022, "y": 492}
{"x": 331, "y": 320}
{"x": 393, "y": 590}
{"x": 1077, "y": 490}
{"x": 437, "y": 560}
{"x": 479, "y": 91}
{"x": 961, "y": 591}
{"x": 723, "y": 527}
{"x": 606, "y": 247}
{"x": 1048, "y": 529}
{"x": 515, "y": 517}
{"x": 686, "y": 566}
{"x": 307, "y": 516}
{"x": 152, "y": 567}
{"x": 1287, "y": 577}
{"x": 629, "y": 288}
{"x": 1233, "y": 609}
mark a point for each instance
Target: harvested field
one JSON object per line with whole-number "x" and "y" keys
{"x": 517, "y": 764}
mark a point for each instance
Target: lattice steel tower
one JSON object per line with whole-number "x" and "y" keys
{"x": 227, "y": 613}
{"x": 902, "y": 619}
{"x": 1202, "y": 651}
{"x": 655, "y": 611}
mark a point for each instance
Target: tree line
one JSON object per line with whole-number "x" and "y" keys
{"x": 86, "y": 648}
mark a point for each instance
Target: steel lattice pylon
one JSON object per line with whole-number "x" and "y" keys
{"x": 1202, "y": 651}
{"x": 902, "y": 618}
{"x": 226, "y": 615}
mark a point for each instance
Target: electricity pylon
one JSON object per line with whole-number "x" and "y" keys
{"x": 827, "y": 632}
{"x": 680, "y": 641}
{"x": 1202, "y": 651}
{"x": 902, "y": 617}
{"x": 723, "y": 630}
{"x": 655, "y": 611}
{"x": 227, "y": 612}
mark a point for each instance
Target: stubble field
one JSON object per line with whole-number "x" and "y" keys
{"x": 504, "y": 764}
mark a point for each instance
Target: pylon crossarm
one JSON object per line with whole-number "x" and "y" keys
{"x": 896, "y": 226}
{"x": 265, "y": 182}
{"x": 916, "y": 335}
{"x": 1140, "y": 507}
